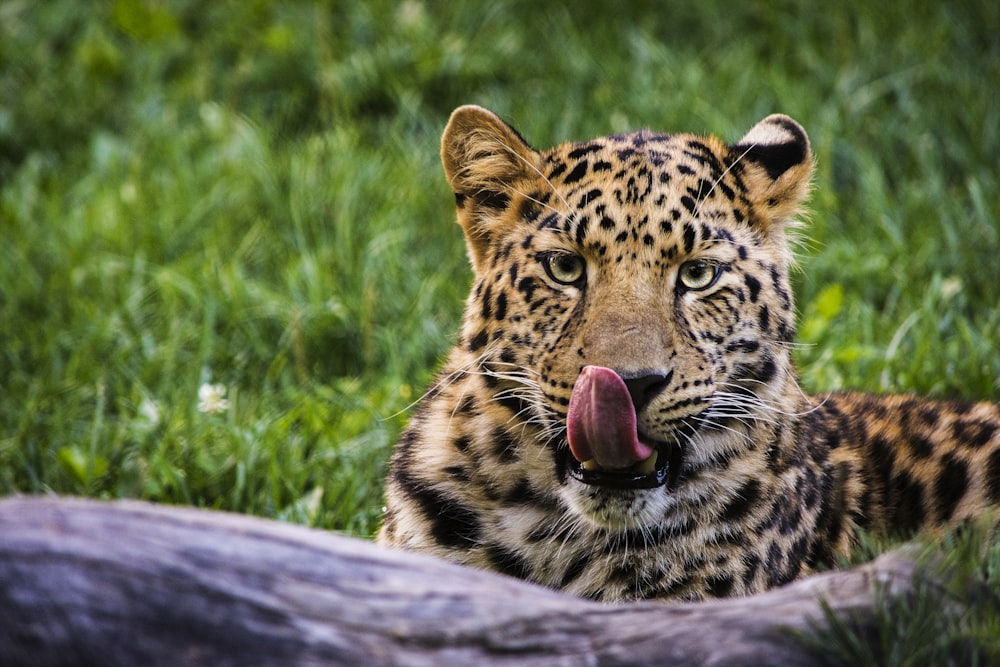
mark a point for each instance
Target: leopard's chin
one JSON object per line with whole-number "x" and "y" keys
{"x": 659, "y": 470}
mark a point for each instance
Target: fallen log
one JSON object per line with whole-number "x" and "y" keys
{"x": 125, "y": 583}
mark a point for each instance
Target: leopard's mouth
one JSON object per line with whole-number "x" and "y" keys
{"x": 606, "y": 447}
{"x": 659, "y": 469}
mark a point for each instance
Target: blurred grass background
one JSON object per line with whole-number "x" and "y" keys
{"x": 248, "y": 194}
{"x": 229, "y": 263}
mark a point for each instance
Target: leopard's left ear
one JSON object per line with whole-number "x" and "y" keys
{"x": 485, "y": 161}
{"x": 776, "y": 165}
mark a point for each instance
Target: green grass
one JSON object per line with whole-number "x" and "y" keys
{"x": 248, "y": 193}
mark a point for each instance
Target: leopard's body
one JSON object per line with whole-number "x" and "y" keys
{"x": 661, "y": 260}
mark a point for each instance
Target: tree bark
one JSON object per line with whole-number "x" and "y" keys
{"x": 125, "y": 583}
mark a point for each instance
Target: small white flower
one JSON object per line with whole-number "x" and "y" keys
{"x": 212, "y": 398}
{"x": 150, "y": 411}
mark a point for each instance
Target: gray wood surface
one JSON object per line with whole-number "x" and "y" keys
{"x": 84, "y": 582}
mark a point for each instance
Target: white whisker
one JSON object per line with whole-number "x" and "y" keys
{"x": 701, "y": 199}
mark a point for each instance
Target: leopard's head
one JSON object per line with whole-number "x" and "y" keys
{"x": 631, "y": 304}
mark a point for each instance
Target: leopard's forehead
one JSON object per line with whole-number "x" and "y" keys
{"x": 663, "y": 192}
{"x": 658, "y": 149}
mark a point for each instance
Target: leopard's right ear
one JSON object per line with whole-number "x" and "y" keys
{"x": 484, "y": 158}
{"x": 777, "y": 165}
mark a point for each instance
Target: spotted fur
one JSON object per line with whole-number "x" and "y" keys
{"x": 764, "y": 482}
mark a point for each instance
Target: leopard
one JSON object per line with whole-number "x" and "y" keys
{"x": 621, "y": 417}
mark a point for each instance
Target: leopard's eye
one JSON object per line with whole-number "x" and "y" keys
{"x": 564, "y": 267}
{"x": 697, "y": 275}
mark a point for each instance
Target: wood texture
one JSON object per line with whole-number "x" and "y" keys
{"x": 124, "y": 583}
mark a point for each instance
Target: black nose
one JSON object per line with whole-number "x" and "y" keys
{"x": 643, "y": 388}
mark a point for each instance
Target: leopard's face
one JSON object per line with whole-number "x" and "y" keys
{"x": 631, "y": 305}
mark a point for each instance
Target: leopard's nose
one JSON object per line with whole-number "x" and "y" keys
{"x": 645, "y": 386}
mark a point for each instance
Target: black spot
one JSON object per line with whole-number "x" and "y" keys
{"x": 522, "y": 493}
{"x": 764, "y": 319}
{"x": 507, "y": 562}
{"x": 753, "y": 285}
{"x": 743, "y": 345}
{"x": 689, "y": 204}
{"x": 799, "y": 552}
{"x": 785, "y": 332}
{"x": 831, "y": 512}
{"x": 753, "y": 566}
{"x": 906, "y": 503}
{"x": 951, "y": 485}
{"x": 607, "y": 223}
{"x": 529, "y": 210}
{"x": 452, "y": 524}
{"x": 623, "y": 155}
{"x": 462, "y": 443}
{"x": 705, "y": 187}
{"x": 791, "y": 517}
{"x": 689, "y": 236}
{"x": 720, "y": 585}
{"x": 920, "y": 447}
{"x": 678, "y": 587}
{"x": 557, "y": 171}
{"x": 501, "y": 306}
{"x": 742, "y": 503}
{"x": 487, "y": 311}
{"x": 526, "y": 287}
{"x": 729, "y": 193}
{"x": 514, "y": 403}
{"x": 490, "y": 491}
{"x": 590, "y": 196}
{"x": 478, "y": 341}
{"x": 551, "y": 221}
{"x": 666, "y": 227}
{"x": 622, "y": 574}
{"x": 467, "y": 406}
{"x": 504, "y": 446}
{"x": 514, "y": 268}
{"x": 775, "y": 564}
{"x": 809, "y": 489}
{"x": 764, "y": 371}
{"x": 494, "y": 200}
{"x": 574, "y": 570}
{"x": 459, "y": 200}
{"x": 457, "y": 472}
{"x": 993, "y": 477}
{"x": 407, "y": 443}
{"x": 585, "y": 149}
{"x": 578, "y": 172}
{"x": 556, "y": 532}
{"x": 973, "y": 433}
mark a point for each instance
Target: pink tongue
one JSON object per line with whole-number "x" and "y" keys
{"x": 601, "y": 422}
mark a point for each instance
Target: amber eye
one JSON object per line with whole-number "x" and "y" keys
{"x": 563, "y": 267}
{"x": 697, "y": 275}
